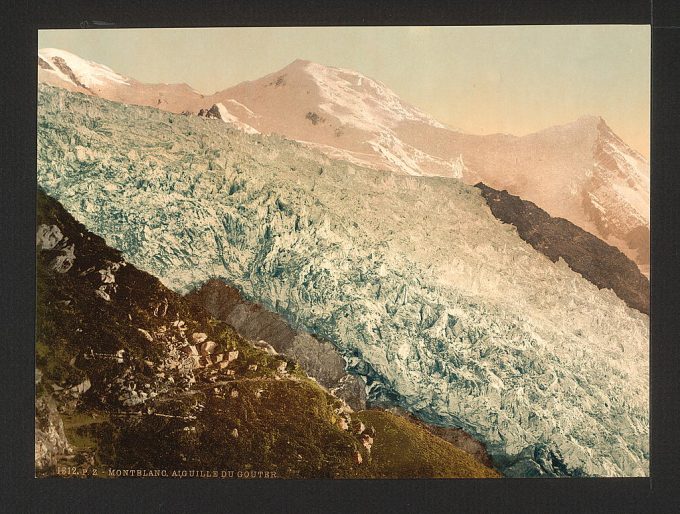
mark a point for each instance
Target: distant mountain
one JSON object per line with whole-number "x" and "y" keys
{"x": 345, "y": 113}
{"x": 580, "y": 171}
{"x": 64, "y": 69}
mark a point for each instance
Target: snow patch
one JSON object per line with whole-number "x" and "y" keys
{"x": 230, "y": 118}
{"x": 361, "y": 102}
{"x": 239, "y": 104}
{"x": 89, "y": 73}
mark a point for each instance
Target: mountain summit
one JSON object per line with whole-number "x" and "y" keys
{"x": 345, "y": 113}
{"x": 581, "y": 171}
{"x": 69, "y": 71}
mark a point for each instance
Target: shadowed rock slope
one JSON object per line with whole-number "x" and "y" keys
{"x": 602, "y": 264}
{"x": 130, "y": 375}
{"x": 319, "y": 359}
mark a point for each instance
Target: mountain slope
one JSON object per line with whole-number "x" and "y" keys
{"x": 64, "y": 69}
{"x": 118, "y": 385}
{"x": 441, "y": 307}
{"x": 580, "y": 171}
{"x": 556, "y": 238}
{"x": 345, "y": 113}
{"x": 319, "y": 359}
{"x": 588, "y": 175}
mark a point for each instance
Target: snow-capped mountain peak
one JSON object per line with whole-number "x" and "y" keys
{"x": 66, "y": 70}
{"x": 360, "y": 101}
{"x": 581, "y": 171}
{"x": 76, "y": 70}
{"x": 345, "y": 113}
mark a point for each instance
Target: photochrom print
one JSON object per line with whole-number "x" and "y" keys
{"x": 343, "y": 252}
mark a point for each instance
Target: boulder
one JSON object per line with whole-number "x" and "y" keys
{"x": 146, "y": 334}
{"x": 101, "y": 293}
{"x": 107, "y": 276}
{"x": 47, "y": 237}
{"x": 342, "y": 424}
{"x": 264, "y": 345}
{"x": 199, "y": 337}
{"x": 64, "y": 261}
{"x": 212, "y": 113}
{"x": 208, "y": 347}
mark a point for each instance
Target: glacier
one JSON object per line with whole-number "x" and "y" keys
{"x": 443, "y": 308}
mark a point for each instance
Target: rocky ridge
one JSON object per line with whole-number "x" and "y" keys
{"x": 319, "y": 359}
{"x": 556, "y": 238}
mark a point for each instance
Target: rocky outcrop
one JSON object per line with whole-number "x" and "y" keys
{"x": 66, "y": 70}
{"x": 42, "y": 64}
{"x": 50, "y": 439}
{"x": 318, "y": 358}
{"x": 212, "y": 113}
{"x": 602, "y": 264}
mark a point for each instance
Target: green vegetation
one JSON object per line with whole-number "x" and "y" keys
{"x": 404, "y": 450}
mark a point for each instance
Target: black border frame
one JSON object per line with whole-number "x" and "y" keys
{"x": 20, "y": 492}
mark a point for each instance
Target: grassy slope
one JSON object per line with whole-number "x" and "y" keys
{"x": 403, "y": 449}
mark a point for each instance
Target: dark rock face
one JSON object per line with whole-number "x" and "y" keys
{"x": 212, "y": 113}
{"x": 61, "y": 64}
{"x": 314, "y": 118}
{"x": 50, "y": 441}
{"x": 43, "y": 64}
{"x": 602, "y": 264}
{"x": 318, "y": 358}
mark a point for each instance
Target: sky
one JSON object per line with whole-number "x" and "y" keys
{"x": 483, "y": 80}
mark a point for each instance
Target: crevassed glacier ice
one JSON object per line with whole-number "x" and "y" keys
{"x": 445, "y": 309}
